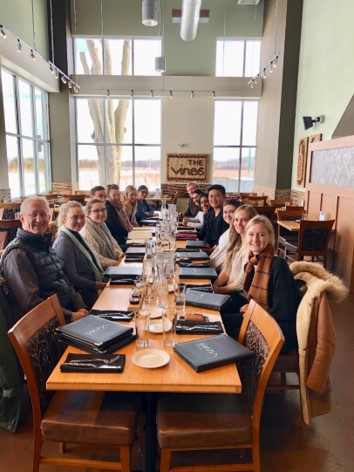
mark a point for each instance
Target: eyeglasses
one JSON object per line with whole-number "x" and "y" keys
{"x": 98, "y": 210}
{"x": 42, "y": 216}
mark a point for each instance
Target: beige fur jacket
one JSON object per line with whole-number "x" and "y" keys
{"x": 316, "y": 335}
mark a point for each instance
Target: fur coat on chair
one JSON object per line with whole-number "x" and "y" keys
{"x": 316, "y": 335}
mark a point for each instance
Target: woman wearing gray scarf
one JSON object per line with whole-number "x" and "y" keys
{"x": 81, "y": 265}
{"x": 98, "y": 235}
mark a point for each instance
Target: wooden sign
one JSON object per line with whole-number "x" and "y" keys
{"x": 187, "y": 167}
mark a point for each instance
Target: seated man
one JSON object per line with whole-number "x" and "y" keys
{"x": 215, "y": 225}
{"x": 98, "y": 192}
{"x": 31, "y": 268}
{"x": 192, "y": 208}
{"x": 143, "y": 209}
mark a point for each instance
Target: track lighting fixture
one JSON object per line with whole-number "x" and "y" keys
{"x": 19, "y": 46}
{"x": 33, "y": 55}
{"x": 3, "y": 33}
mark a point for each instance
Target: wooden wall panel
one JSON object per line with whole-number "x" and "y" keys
{"x": 338, "y": 202}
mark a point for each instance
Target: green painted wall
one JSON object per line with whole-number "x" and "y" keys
{"x": 326, "y": 67}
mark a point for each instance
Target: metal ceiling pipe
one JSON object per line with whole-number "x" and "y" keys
{"x": 190, "y": 19}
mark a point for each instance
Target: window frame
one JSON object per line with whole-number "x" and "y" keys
{"x": 231, "y": 40}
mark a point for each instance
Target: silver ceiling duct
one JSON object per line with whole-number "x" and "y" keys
{"x": 190, "y": 19}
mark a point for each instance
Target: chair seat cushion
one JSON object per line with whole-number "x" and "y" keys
{"x": 288, "y": 362}
{"x": 201, "y": 421}
{"x": 91, "y": 417}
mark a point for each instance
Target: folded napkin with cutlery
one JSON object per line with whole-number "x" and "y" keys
{"x": 192, "y": 327}
{"x": 102, "y": 363}
{"x": 114, "y": 315}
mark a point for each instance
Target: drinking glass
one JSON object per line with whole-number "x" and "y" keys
{"x": 142, "y": 321}
{"x": 168, "y": 325}
{"x": 180, "y": 298}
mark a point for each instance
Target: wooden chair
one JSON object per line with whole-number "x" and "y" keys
{"x": 8, "y": 230}
{"x": 191, "y": 422}
{"x": 268, "y": 211}
{"x": 244, "y": 195}
{"x": 256, "y": 200}
{"x": 294, "y": 208}
{"x": 80, "y": 417}
{"x": 279, "y": 203}
{"x": 8, "y": 210}
{"x": 283, "y": 235}
{"x": 312, "y": 242}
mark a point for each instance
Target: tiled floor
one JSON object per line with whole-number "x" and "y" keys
{"x": 285, "y": 447}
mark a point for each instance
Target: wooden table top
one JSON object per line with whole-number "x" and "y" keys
{"x": 290, "y": 225}
{"x": 176, "y": 376}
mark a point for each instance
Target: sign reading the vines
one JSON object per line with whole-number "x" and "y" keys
{"x": 187, "y": 167}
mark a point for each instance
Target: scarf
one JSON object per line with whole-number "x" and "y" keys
{"x": 85, "y": 249}
{"x": 107, "y": 243}
{"x": 255, "y": 283}
{"x": 121, "y": 215}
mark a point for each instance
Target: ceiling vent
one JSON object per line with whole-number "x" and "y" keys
{"x": 248, "y": 2}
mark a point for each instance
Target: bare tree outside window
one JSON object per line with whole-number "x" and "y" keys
{"x": 109, "y": 121}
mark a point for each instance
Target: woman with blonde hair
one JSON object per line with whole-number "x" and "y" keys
{"x": 230, "y": 280}
{"x": 130, "y": 203}
{"x": 269, "y": 281}
{"x": 98, "y": 235}
{"x": 81, "y": 265}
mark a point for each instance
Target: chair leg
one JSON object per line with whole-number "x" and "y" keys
{"x": 256, "y": 456}
{"x": 37, "y": 447}
{"x": 124, "y": 454}
{"x": 165, "y": 462}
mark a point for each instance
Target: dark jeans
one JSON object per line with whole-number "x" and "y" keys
{"x": 231, "y": 316}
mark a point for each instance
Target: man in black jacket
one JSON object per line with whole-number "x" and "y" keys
{"x": 214, "y": 224}
{"x": 31, "y": 268}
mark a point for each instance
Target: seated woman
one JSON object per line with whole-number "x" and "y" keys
{"x": 269, "y": 281}
{"x": 117, "y": 221}
{"x": 81, "y": 266}
{"x": 202, "y": 201}
{"x": 130, "y": 203}
{"x": 217, "y": 257}
{"x": 143, "y": 209}
{"x": 230, "y": 280}
{"x": 98, "y": 235}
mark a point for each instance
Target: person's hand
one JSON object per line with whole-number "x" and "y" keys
{"x": 243, "y": 308}
{"x": 185, "y": 221}
{"x": 100, "y": 285}
{"x": 77, "y": 315}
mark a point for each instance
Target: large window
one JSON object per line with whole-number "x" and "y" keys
{"x": 118, "y": 141}
{"x": 235, "y": 129}
{"x": 116, "y": 56}
{"x": 27, "y": 136}
{"x": 237, "y": 57}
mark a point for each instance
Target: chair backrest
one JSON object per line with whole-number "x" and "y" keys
{"x": 287, "y": 215}
{"x": 8, "y": 230}
{"x": 256, "y": 199}
{"x": 294, "y": 208}
{"x": 278, "y": 203}
{"x": 39, "y": 350}
{"x": 268, "y": 211}
{"x": 262, "y": 334}
{"x": 314, "y": 237}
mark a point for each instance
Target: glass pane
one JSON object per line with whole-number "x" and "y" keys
{"x": 41, "y": 114}
{"x": 247, "y": 169}
{"x": 89, "y": 171}
{"x": 249, "y": 130}
{"x": 26, "y": 116}
{"x": 147, "y": 166}
{"x": 29, "y": 175}
{"x": 119, "y": 117}
{"x": 147, "y": 114}
{"x": 253, "y": 58}
{"x": 89, "y": 113}
{"x": 43, "y": 167}
{"x": 88, "y": 56}
{"x": 13, "y": 166}
{"x": 113, "y": 51}
{"x": 229, "y": 58}
{"x": 226, "y": 168}
{"x": 8, "y": 91}
{"x": 227, "y": 124}
{"x": 126, "y": 172}
{"x": 145, "y": 51}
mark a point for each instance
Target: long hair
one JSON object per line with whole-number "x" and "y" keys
{"x": 235, "y": 239}
{"x": 261, "y": 219}
{"x": 130, "y": 188}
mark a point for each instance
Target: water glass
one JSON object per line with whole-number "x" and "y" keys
{"x": 168, "y": 326}
{"x": 142, "y": 322}
{"x": 180, "y": 298}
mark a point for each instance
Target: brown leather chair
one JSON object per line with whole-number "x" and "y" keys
{"x": 8, "y": 230}
{"x": 312, "y": 242}
{"x": 79, "y": 417}
{"x": 223, "y": 421}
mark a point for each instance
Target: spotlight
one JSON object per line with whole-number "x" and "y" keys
{"x": 70, "y": 84}
{"x": 63, "y": 79}
{"x": 3, "y": 33}
{"x": 32, "y": 55}
{"x": 19, "y": 46}
{"x": 192, "y": 94}
{"x": 76, "y": 89}
{"x": 171, "y": 95}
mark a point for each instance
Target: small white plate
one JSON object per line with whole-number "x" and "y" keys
{"x": 155, "y": 326}
{"x": 151, "y": 358}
